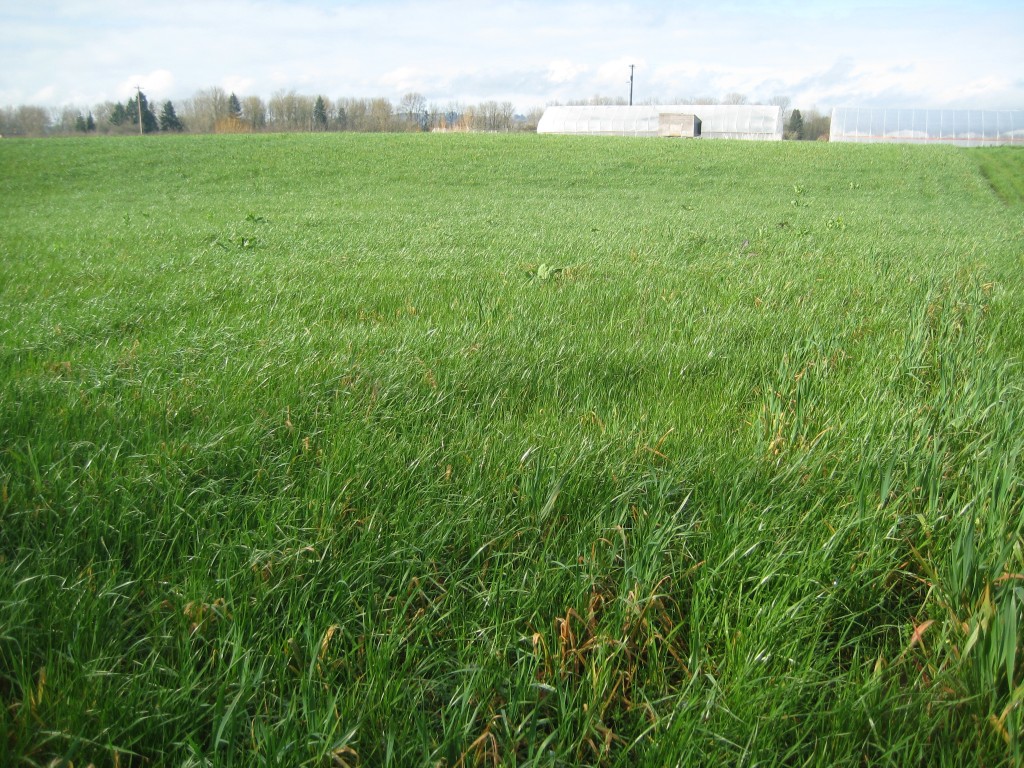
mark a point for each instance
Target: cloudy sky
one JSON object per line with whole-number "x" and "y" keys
{"x": 825, "y": 53}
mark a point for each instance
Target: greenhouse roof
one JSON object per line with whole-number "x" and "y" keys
{"x": 965, "y": 127}
{"x": 724, "y": 121}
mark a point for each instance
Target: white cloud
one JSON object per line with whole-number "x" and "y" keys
{"x": 614, "y": 74}
{"x": 43, "y": 95}
{"x": 527, "y": 51}
{"x": 157, "y": 84}
{"x": 237, "y": 84}
{"x": 564, "y": 71}
{"x": 404, "y": 80}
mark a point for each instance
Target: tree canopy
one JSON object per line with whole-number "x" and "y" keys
{"x": 118, "y": 115}
{"x": 320, "y": 114}
{"x": 795, "y": 127}
{"x": 140, "y": 105}
{"x": 169, "y": 119}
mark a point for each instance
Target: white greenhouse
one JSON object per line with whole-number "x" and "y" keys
{"x": 718, "y": 121}
{"x": 965, "y": 127}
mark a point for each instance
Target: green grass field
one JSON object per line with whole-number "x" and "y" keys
{"x": 509, "y": 450}
{"x": 1004, "y": 169}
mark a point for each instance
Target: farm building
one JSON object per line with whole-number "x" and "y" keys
{"x": 717, "y": 121}
{"x": 965, "y": 127}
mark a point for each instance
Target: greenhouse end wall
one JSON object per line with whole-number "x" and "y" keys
{"x": 963, "y": 127}
{"x": 718, "y": 121}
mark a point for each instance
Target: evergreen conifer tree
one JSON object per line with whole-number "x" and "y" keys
{"x": 320, "y": 115}
{"x": 795, "y": 129}
{"x": 234, "y": 107}
{"x": 169, "y": 119}
{"x": 119, "y": 115}
{"x": 149, "y": 121}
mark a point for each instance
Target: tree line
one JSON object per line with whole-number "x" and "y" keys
{"x": 214, "y": 110}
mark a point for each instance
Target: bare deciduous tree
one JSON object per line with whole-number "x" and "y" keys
{"x": 597, "y": 100}
{"x": 532, "y": 118}
{"x": 411, "y": 110}
{"x": 780, "y": 101}
{"x": 484, "y": 116}
{"x": 201, "y": 112}
{"x": 435, "y": 116}
{"x": 356, "y": 113}
{"x": 381, "y": 116}
{"x": 290, "y": 111}
{"x": 254, "y": 112}
{"x": 25, "y": 120}
{"x": 65, "y": 119}
{"x": 506, "y": 115}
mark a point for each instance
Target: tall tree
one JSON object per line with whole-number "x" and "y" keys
{"x": 486, "y": 116}
{"x": 65, "y": 120}
{"x": 234, "y": 106}
{"x": 169, "y": 119}
{"x": 434, "y": 116}
{"x": 90, "y": 122}
{"x": 506, "y": 115}
{"x": 381, "y": 115}
{"x": 816, "y": 125}
{"x": 319, "y": 114}
{"x": 289, "y": 111}
{"x": 411, "y": 109}
{"x": 356, "y": 113}
{"x": 80, "y": 124}
{"x": 255, "y": 112}
{"x": 25, "y": 120}
{"x": 452, "y": 116}
{"x": 119, "y": 116}
{"x": 133, "y": 110}
{"x": 783, "y": 103}
{"x": 795, "y": 127}
{"x": 204, "y": 109}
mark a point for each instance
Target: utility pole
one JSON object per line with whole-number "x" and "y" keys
{"x": 138, "y": 103}
{"x": 631, "y": 85}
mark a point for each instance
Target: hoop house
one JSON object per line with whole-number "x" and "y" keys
{"x": 716, "y": 121}
{"x": 965, "y": 127}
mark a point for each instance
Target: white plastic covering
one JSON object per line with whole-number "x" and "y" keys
{"x": 718, "y": 121}
{"x": 600, "y": 121}
{"x": 965, "y": 127}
